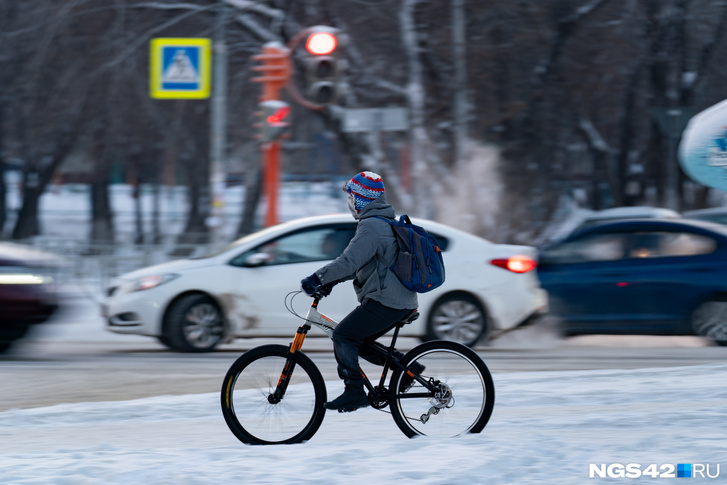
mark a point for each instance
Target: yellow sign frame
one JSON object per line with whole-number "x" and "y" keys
{"x": 161, "y": 90}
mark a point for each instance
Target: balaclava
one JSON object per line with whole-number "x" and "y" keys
{"x": 363, "y": 188}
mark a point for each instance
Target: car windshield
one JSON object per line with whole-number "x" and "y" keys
{"x": 238, "y": 242}
{"x": 320, "y": 243}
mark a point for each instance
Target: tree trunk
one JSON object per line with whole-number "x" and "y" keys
{"x": 156, "y": 211}
{"x": 27, "y": 224}
{"x": 459, "y": 53}
{"x": 3, "y": 189}
{"x": 253, "y": 191}
{"x": 102, "y": 228}
{"x": 195, "y": 231}
{"x": 36, "y": 179}
{"x": 138, "y": 215}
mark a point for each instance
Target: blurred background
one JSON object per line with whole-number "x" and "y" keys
{"x": 517, "y": 112}
{"x": 518, "y": 115}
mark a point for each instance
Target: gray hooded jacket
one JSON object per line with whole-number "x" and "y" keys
{"x": 367, "y": 258}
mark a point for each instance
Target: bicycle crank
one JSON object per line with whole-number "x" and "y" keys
{"x": 377, "y": 400}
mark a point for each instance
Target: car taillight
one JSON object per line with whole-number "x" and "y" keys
{"x": 516, "y": 264}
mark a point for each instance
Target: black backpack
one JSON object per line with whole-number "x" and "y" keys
{"x": 418, "y": 264}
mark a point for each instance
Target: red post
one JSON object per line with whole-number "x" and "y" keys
{"x": 276, "y": 70}
{"x": 271, "y": 159}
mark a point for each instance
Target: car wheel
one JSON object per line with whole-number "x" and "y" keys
{"x": 709, "y": 320}
{"x": 459, "y": 318}
{"x": 194, "y": 323}
{"x": 163, "y": 340}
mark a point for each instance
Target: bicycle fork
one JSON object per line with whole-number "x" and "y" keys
{"x": 277, "y": 396}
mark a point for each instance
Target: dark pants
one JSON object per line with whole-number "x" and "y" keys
{"x": 363, "y": 325}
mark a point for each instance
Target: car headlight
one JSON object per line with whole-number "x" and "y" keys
{"x": 152, "y": 281}
{"x": 18, "y": 276}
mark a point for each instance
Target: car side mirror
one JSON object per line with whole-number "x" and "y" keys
{"x": 256, "y": 259}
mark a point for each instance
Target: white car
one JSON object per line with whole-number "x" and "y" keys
{"x": 193, "y": 305}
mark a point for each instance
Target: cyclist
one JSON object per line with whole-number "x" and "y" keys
{"x": 383, "y": 300}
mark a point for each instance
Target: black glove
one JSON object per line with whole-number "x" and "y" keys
{"x": 311, "y": 284}
{"x": 326, "y": 289}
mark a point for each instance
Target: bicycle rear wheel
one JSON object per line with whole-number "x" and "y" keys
{"x": 256, "y": 418}
{"x": 464, "y": 397}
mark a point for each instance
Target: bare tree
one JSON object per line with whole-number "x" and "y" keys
{"x": 566, "y": 91}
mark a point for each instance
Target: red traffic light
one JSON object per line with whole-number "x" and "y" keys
{"x": 321, "y": 43}
{"x": 279, "y": 115}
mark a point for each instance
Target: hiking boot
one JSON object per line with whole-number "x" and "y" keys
{"x": 408, "y": 380}
{"x": 353, "y": 398}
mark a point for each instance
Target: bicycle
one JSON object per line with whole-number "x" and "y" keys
{"x": 274, "y": 394}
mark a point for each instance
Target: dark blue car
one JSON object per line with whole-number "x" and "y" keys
{"x": 653, "y": 277}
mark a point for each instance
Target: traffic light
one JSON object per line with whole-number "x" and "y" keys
{"x": 324, "y": 65}
{"x": 274, "y": 119}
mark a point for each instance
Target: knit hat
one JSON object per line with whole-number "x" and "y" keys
{"x": 365, "y": 187}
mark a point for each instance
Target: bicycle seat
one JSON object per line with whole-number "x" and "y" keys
{"x": 409, "y": 318}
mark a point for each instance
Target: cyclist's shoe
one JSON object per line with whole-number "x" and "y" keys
{"x": 408, "y": 380}
{"x": 353, "y": 398}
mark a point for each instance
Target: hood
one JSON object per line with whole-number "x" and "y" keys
{"x": 168, "y": 267}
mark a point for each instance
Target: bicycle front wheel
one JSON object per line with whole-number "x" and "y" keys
{"x": 463, "y": 396}
{"x": 253, "y": 411}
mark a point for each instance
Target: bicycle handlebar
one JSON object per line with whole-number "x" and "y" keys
{"x": 318, "y": 296}
{"x": 321, "y": 292}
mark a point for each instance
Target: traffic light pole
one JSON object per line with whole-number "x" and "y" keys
{"x": 276, "y": 71}
{"x": 271, "y": 158}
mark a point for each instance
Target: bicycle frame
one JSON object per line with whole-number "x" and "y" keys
{"x": 327, "y": 325}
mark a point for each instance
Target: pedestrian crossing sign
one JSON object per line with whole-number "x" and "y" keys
{"x": 180, "y": 68}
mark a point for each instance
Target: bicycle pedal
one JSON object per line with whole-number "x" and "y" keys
{"x": 347, "y": 410}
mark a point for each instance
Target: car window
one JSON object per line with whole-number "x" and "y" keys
{"x": 637, "y": 245}
{"x": 313, "y": 244}
{"x": 667, "y": 244}
{"x": 718, "y": 218}
{"x": 595, "y": 247}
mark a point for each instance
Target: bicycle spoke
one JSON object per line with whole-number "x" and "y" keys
{"x": 254, "y": 416}
{"x": 463, "y": 393}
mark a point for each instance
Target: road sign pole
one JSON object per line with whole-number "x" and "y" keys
{"x": 218, "y": 123}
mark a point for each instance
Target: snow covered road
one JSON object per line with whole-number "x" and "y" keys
{"x": 547, "y": 428}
